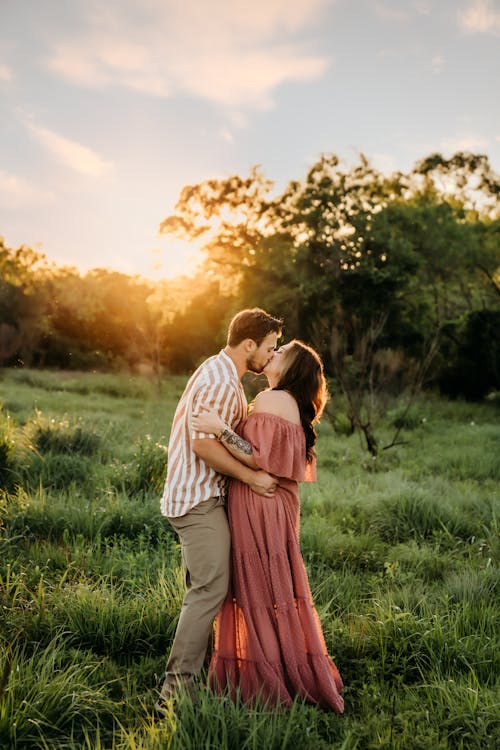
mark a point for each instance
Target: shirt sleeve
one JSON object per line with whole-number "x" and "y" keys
{"x": 219, "y": 396}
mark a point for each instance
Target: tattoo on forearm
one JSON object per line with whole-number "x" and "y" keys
{"x": 231, "y": 438}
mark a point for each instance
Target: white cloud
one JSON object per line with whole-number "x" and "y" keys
{"x": 233, "y": 52}
{"x": 465, "y": 143}
{"x": 251, "y": 77}
{"x": 17, "y": 193}
{"x": 103, "y": 62}
{"x": 72, "y": 154}
{"x": 480, "y": 16}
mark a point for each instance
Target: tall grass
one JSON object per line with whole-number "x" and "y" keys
{"x": 47, "y": 691}
{"x": 7, "y": 450}
{"x": 402, "y": 553}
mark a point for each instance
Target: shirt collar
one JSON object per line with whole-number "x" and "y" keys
{"x": 229, "y": 364}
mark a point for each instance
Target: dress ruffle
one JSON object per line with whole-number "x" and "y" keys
{"x": 269, "y": 641}
{"x": 279, "y": 446}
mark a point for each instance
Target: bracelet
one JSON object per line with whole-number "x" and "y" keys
{"x": 222, "y": 430}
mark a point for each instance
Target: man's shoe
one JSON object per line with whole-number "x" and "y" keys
{"x": 162, "y": 708}
{"x": 172, "y": 690}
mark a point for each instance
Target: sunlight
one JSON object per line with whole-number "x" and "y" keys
{"x": 173, "y": 257}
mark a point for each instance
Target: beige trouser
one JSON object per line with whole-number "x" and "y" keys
{"x": 205, "y": 547}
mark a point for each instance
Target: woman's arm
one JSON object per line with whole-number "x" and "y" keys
{"x": 209, "y": 421}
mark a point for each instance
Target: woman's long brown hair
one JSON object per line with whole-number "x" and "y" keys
{"x": 303, "y": 377}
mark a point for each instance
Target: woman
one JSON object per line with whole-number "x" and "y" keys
{"x": 269, "y": 642}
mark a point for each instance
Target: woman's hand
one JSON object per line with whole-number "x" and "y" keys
{"x": 207, "y": 420}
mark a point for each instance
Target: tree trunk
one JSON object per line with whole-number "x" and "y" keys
{"x": 371, "y": 441}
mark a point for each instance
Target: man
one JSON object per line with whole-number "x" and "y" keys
{"x": 196, "y": 483}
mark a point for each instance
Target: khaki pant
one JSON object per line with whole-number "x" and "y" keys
{"x": 205, "y": 546}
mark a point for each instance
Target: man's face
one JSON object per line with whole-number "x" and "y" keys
{"x": 263, "y": 354}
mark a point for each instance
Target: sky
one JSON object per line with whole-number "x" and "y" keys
{"x": 108, "y": 108}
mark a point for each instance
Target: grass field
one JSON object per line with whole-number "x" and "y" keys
{"x": 402, "y": 553}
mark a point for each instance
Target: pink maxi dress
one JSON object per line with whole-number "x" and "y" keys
{"x": 269, "y": 644}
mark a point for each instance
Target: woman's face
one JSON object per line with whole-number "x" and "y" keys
{"x": 276, "y": 365}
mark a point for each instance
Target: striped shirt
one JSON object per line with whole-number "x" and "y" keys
{"x": 190, "y": 480}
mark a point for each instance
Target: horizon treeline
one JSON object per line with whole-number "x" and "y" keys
{"x": 388, "y": 276}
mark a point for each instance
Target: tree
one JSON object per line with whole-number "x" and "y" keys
{"x": 370, "y": 269}
{"x": 102, "y": 318}
{"x": 466, "y": 180}
{"x": 23, "y": 302}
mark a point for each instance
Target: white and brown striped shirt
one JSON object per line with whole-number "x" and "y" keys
{"x": 190, "y": 480}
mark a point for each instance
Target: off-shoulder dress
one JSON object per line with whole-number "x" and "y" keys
{"x": 269, "y": 643}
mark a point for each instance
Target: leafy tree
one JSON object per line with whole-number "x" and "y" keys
{"x": 23, "y": 302}
{"x": 100, "y": 318}
{"x": 368, "y": 268}
{"x": 466, "y": 180}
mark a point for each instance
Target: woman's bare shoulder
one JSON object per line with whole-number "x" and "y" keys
{"x": 280, "y": 403}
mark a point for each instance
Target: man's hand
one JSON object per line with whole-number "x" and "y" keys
{"x": 262, "y": 483}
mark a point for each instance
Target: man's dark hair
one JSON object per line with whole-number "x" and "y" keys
{"x": 253, "y": 324}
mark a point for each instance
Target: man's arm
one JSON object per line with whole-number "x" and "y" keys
{"x": 208, "y": 420}
{"x": 237, "y": 446}
{"x": 218, "y": 458}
